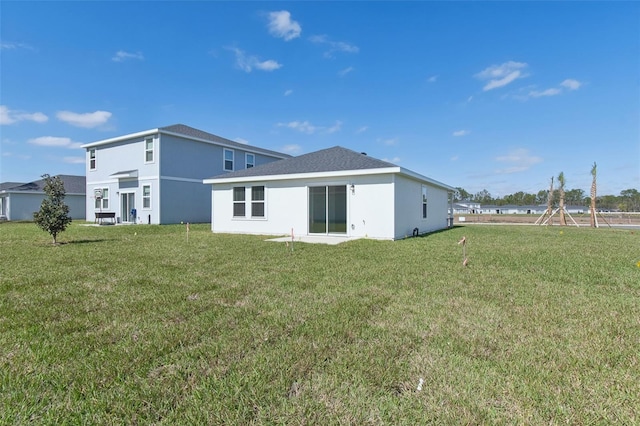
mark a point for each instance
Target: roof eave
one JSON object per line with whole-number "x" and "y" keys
{"x": 296, "y": 176}
{"x": 434, "y": 182}
{"x": 121, "y": 138}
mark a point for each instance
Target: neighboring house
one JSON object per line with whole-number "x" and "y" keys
{"x": 527, "y": 209}
{"x": 466, "y": 207}
{"x": 334, "y": 191}
{"x": 156, "y": 176}
{"x": 18, "y": 201}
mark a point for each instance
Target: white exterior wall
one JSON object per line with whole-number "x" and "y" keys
{"x": 369, "y": 207}
{"x": 408, "y": 207}
{"x": 124, "y": 156}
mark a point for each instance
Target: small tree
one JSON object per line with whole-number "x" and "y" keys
{"x": 561, "y": 181}
{"x": 53, "y": 216}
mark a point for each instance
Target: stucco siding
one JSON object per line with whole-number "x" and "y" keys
{"x": 182, "y": 201}
{"x": 121, "y": 156}
{"x": 21, "y": 206}
{"x": 286, "y": 207}
{"x": 408, "y": 207}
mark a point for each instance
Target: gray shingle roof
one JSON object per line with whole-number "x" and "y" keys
{"x": 199, "y": 134}
{"x": 9, "y": 185}
{"x": 72, "y": 185}
{"x": 326, "y": 160}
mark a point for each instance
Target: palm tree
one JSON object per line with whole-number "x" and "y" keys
{"x": 592, "y": 209}
{"x": 563, "y": 220}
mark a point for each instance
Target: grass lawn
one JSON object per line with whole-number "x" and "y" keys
{"x": 135, "y": 324}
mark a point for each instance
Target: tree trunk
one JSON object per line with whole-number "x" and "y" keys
{"x": 594, "y": 219}
{"x": 563, "y": 219}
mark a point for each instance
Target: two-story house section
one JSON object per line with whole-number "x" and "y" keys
{"x": 156, "y": 176}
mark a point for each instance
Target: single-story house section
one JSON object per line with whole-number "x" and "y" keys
{"x": 335, "y": 191}
{"x": 18, "y": 201}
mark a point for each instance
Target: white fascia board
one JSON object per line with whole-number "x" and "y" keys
{"x": 418, "y": 176}
{"x": 121, "y": 138}
{"x": 296, "y": 176}
{"x": 249, "y": 148}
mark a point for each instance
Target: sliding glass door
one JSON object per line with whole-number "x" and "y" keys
{"x": 328, "y": 209}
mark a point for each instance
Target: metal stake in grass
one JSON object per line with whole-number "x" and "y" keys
{"x": 463, "y": 242}
{"x": 187, "y": 231}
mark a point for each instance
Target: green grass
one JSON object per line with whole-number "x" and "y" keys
{"x": 135, "y": 324}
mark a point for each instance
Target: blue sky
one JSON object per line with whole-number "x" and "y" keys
{"x": 481, "y": 95}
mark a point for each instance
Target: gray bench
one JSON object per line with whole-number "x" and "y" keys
{"x": 101, "y": 216}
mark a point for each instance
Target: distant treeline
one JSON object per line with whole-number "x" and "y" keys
{"x": 627, "y": 201}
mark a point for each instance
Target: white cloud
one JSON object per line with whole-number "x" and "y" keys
{"x": 121, "y": 56}
{"x": 292, "y": 149}
{"x": 432, "y": 79}
{"x": 548, "y": 92}
{"x": 8, "y": 116}
{"x": 571, "y": 84}
{"x": 52, "y": 141}
{"x": 517, "y": 160}
{"x": 87, "y": 120}
{"x": 74, "y": 160}
{"x": 268, "y": 65}
{"x": 389, "y": 142}
{"x": 501, "y": 75}
{"x": 288, "y": 92}
{"x": 309, "y": 129}
{"x": 461, "y": 132}
{"x": 393, "y": 160}
{"x": 335, "y": 128}
{"x": 282, "y": 26}
{"x": 345, "y": 71}
{"x": 248, "y": 62}
{"x": 362, "y": 129}
{"x": 334, "y": 46}
{"x": 9, "y": 45}
{"x": 301, "y": 126}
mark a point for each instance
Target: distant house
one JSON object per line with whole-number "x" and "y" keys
{"x": 466, "y": 207}
{"x": 526, "y": 209}
{"x": 18, "y": 201}
{"x": 334, "y": 191}
{"x": 155, "y": 176}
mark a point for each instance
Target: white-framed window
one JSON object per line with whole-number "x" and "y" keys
{"x": 250, "y": 160}
{"x": 146, "y": 196}
{"x": 239, "y": 201}
{"x": 148, "y": 150}
{"x": 92, "y": 159}
{"x": 228, "y": 160}
{"x": 424, "y": 202}
{"x": 102, "y": 198}
{"x": 257, "y": 201}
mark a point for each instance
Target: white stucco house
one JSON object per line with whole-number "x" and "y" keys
{"x": 18, "y": 201}
{"x": 335, "y": 191}
{"x": 155, "y": 176}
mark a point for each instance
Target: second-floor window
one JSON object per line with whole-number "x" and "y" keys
{"x": 250, "y": 160}
{"x": 146, "y": 196}
{"x": 92, "y": 159}
{"x": 228, "y": 160}
{"x": 148, "y": 150}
